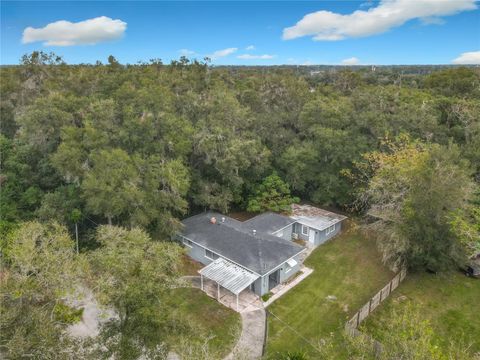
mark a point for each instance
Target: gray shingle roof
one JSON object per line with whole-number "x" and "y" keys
{"x": 268, "y": 222}
{"x": 234, "y": 240}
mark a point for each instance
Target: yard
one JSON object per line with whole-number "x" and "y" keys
{"x": 208, "y": 320}
{"x": 451, "y": 302}
{"x": 188, "y": 266}
{"x": 349, "y": 270}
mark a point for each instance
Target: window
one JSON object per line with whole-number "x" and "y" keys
{"x": 289, "y": 265}
{"x": 304, "y": 230}
{"x": 211, "y": 255}
{"x": 187, "y": 242}
{"x": 330, "y": 229}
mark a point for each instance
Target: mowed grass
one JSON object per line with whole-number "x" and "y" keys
{"x": 207, "y": 318}
{"x": 451, "y": 302}
{"x": 347, "y": 267}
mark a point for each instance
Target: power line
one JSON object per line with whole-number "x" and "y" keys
{"x": 86, "y": 217}
{"x": 295, "y": 331}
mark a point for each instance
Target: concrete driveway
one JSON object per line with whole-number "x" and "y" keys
{"x": 250, "y": 344}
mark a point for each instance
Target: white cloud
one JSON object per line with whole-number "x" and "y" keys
{"x": 222, "y": 53}
{"x": 250, "y": 47}
{"x": 351, "y": 61}
{"x": 255, "y": 57}
{"x": 468, "y": 58}
{"x": 432, "y": 20}
{"x": 66, "y": 33}
{"x": 186, "y": 52}
{"x": 327, "y": 25}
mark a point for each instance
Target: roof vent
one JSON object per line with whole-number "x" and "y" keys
{"x": 254, "y": 232}
{"x": 223, "y": 218}
{"x": 213, "y": 220}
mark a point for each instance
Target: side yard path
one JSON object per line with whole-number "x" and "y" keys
{"x": 250, "y": 344}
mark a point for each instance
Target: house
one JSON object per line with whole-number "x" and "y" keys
{"x": 259, "y": 253}
{"x": 315, "y": 225}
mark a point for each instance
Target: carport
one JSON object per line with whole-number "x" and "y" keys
{"x": 228, "y": 276}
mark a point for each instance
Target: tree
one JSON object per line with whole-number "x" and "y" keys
{"x": 41, "y": 122}
{"x": 406, "y": 334}
{"x": 133, "y": 275}
{"x": 273, "y": 194}
{"x": 41, "y": 271}
{"x": 465, "y": 225}
{"x": 459, "y": 82}
{"x": 413, "y": 193}
{"x": 112, "y": 184}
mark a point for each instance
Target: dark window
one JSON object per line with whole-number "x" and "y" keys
{"x": 211, "y": 255}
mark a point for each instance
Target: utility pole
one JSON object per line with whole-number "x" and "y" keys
{"x": 76, "y": 216}
{"x": 76, "y": 235}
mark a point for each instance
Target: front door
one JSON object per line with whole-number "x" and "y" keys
{"x": 273, "y": 279}
{"x": 311, "y": 236}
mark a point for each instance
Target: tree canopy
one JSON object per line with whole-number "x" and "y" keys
{"x": 273, "y": 194}
{"x": 413, "y": 194}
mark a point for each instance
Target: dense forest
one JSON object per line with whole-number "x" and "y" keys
{"x": 142, "y": 146}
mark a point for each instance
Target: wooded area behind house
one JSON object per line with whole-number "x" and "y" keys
{"x": 141, "y": 146}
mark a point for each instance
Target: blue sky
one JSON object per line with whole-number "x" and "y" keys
{"x": 284, "y": 32}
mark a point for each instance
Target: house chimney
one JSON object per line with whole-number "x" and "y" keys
{"x": 213, "y": 220}
{"x": 254, "y": 232}
{"x": 223, "y": 219}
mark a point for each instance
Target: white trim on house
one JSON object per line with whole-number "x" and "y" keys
{"x": 306, "y": 228}
{"x": 312, "y": 225}
{"x": 186, "y": 242}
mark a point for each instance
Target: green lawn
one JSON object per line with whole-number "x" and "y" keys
{"x": 348, "y": 267}
{"x": 208, "y": 319}
{"x": 450, "y": 301}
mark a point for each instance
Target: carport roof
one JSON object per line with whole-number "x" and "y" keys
{"x": 228, "y": 275}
